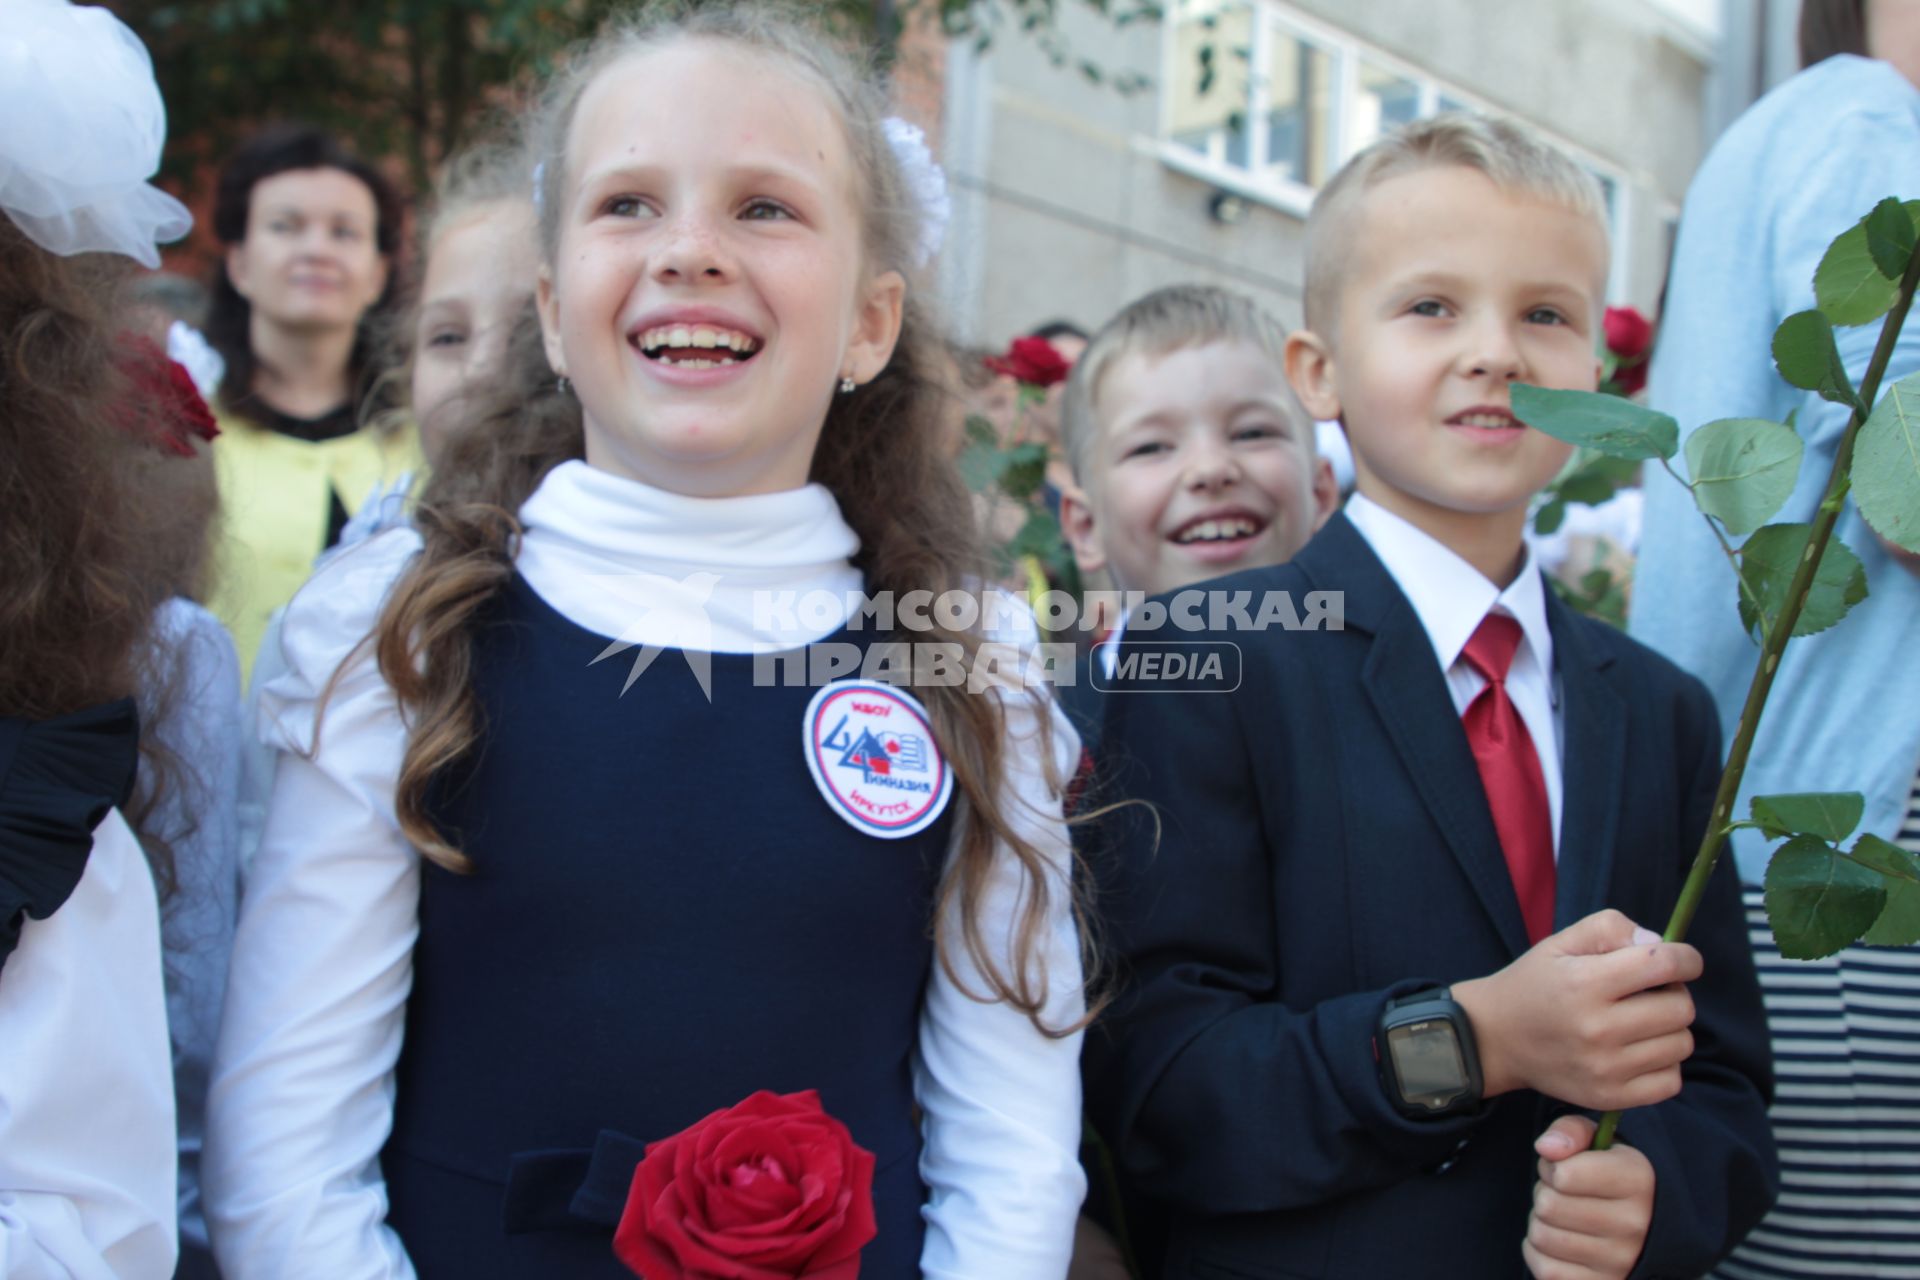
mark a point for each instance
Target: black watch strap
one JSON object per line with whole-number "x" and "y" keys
{"x": 1429, "y": 1062}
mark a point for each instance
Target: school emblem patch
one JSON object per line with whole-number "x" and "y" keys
{"x": 872, "y": 753}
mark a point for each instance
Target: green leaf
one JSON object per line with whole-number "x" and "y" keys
{"x": 1829, "y": 814}
{"x": 1818, "y": 901}
{"x": 1743, "y": 470}
{"x": 1605, "y": 424}
{"x": 1550, "y": 517}
{"x": 1899, "y": 922}
{"x": 1886, "y": 465}
{"x": 1890, "y": 237}
{"x": 1767, "y": 564}
{"x": 1023, "y": 470}
{"x": 1586, "y": 487}
{"x": 1806, "y": 356}
{"x": 979, "y": 462}
{"x": 1848, "y": 285}
{"x": 1039, "y": 536}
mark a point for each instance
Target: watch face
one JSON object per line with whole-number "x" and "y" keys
{"x": 1427, "y": 1062}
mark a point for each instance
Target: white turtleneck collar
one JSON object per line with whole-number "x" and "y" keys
{"x": 631, "y": 562}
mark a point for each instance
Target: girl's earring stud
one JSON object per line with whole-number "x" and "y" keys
{"x": 565, "y": 387}
{"x": 846, "y": 385}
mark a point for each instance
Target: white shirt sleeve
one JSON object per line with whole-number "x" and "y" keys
{"x": 86, "y": 1093}
{"x": 196, "y": 815}
{"x": 1002, "y": 1100}
{"x": 303, "y": 1088}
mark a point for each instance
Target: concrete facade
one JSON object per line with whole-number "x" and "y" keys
{"x": 1070, "y": 200}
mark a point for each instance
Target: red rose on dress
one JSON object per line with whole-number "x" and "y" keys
{"x": 772, "y": 1188}
{"x": 1034, "y": 361}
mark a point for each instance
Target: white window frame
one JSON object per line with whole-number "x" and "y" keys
{"x": 1348, "y": 52}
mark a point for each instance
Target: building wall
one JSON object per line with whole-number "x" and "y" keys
{"x": 1066, "y": 205}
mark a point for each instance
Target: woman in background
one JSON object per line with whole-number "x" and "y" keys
{"x": 310, "y": 232}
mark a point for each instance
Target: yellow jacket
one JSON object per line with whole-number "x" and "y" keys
{"x": 274, "y": 493}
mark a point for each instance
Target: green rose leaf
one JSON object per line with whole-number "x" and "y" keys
{"x": 1586, "y": 487}
{"x": 1767, "y": 564}
{"x": 979, "y": 462}
{"x": 1818, "y": 901}
{"x": 1848, "y": 285}
{"x": 1886, "y": 465}
{"x": 1804, "y": 352}
{"x": 1829, "y": 814}
{"x": 1743, "y": 470}
{"x": 1550, "y": 517}
{"x": 1890, "y": 237}
{"x": 1899, "y": 922}
{"x": 1039, "y": 536}
{"x": 1023, "y": 470}
{"x": 1605, "y": 424}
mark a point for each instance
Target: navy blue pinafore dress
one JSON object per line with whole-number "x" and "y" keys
{"x": 664, "y": 916}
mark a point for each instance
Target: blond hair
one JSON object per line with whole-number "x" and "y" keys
{"x": 1162, "y": 322}
{"x": 1516, "y": 160}
{"x": 497, "y": 171}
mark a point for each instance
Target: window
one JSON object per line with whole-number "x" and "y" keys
{"x": 1269, "y": 103}
{"x": 1208, "y": 113}
{"x": 1298, "y": 109}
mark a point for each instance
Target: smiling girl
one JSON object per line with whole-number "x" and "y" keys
{"x": 521, "y": 909}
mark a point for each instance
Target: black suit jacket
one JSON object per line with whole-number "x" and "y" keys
{"x": 1326, "y": 846}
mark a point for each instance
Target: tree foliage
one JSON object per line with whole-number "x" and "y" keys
{"x": 412, "y": 79}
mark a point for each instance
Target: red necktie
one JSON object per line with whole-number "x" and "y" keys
{"x": 1510, "y": 772}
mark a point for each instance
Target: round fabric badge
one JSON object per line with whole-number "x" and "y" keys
{"x": 872, "y": 753}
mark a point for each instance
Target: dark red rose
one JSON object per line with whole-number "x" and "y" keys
{"x": 772, "y": 1188}
{"x": 1034, "y": 361}
{"x": 1628, "y": 379}
{"x": 1629, "y": 333}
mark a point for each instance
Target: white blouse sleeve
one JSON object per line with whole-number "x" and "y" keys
{"x": 303, "y": 1087}
{"x": 196, "y": 815}
{"x": 86, "y": 1090}
{"x": 1002, "y": 1100}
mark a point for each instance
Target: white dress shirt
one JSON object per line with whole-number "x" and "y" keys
{"x": 302, "y": 1100}
{"x": 1451, "y": 597}
{"x": 87, "y": 1153}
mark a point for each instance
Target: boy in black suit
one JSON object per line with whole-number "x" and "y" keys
{"x": 1382, "y": 958}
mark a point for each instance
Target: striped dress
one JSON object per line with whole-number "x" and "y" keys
{"x": 1846, "y": 1113}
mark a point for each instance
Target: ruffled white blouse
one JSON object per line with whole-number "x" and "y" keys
{"x": 303, "y": 1091}
{"x": 86, "y": 1089}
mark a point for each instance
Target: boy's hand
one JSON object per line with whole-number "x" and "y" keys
{"x": 1595, "y": 1015}
{"x": 1591, "y": 1209}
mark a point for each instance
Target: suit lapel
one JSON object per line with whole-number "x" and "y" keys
{"x": 1409, "y": 693}
{"x": 1593, "y": 768}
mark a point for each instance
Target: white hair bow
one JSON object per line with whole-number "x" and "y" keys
{"x": 85, "y": 128}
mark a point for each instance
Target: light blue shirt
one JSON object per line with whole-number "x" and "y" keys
{"x": 1802, "y": 165}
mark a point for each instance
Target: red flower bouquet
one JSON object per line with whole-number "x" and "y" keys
{"x": 772, "y": 1188}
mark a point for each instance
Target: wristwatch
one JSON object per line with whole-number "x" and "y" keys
{"x": 1428, "y": 1063}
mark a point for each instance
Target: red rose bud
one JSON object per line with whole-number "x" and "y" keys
{"x": 1033, "y": 361}
{"x": 1629, "y": 333}
{"x": 772, "y": 1188}
{"x": 1628, "y": 379}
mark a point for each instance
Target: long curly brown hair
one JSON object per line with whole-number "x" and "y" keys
{"x": 97, "y": 527}
{"x": 883, "y": 438}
